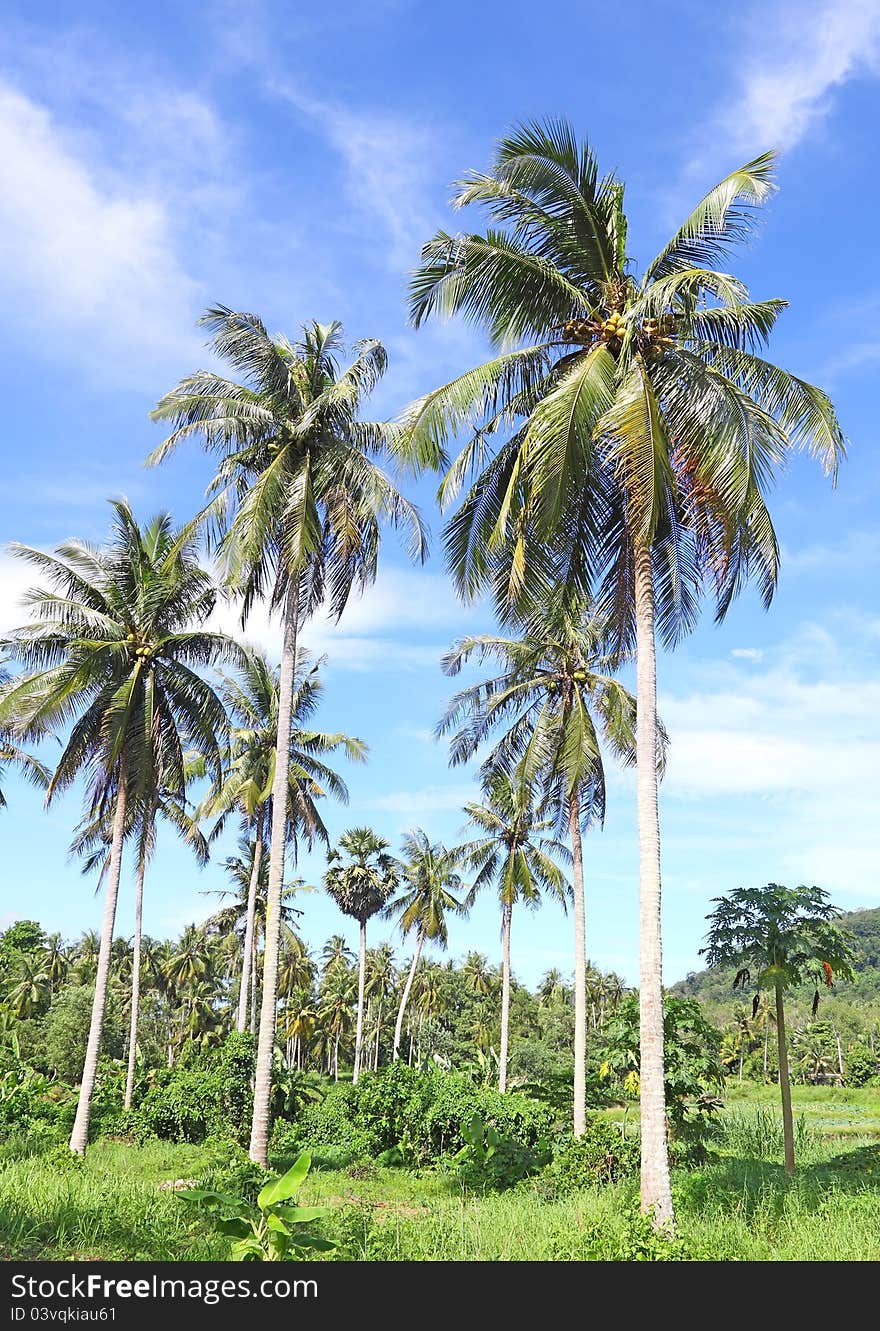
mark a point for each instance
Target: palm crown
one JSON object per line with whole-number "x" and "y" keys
{"x": 363, "y": 886}
{"x": 513, "y": 846}
{"x": 114, "y": 647}
{"x": 297, "y": 491}
{"x": 638, "y": 410}
{"x": 552, "y": 698}
{"x": 251, "y": 699}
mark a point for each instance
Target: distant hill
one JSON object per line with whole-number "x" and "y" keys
{"x": 714, "y": 988}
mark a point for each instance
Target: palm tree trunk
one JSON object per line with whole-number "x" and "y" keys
{"x": 656, "y": 1191}
{"x": 766, "y": 1043}
{"x": 80, "y": 1135}
{"x": 506, "y": 913}
{"x": 378, "y": 1033}
{"x": 362, "y": 978}
{"x": 336, "y": 1059}
{"x": 784, "y": 1084}
{"x": 741, "y": 1053}
{"x": 580, "y": 967}
{"x": 254, "y": 984}
{"x": 135, "y": 978}
{"x": 246, "y": 958}
{"x": 404, "y": 997}
{"x": 259, "y": 1144}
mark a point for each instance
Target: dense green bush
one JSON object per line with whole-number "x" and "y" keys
{"x": 601, "y": 1155}
{"x": 66, "y": 1031}
{"x": 211, "y": 1095}
{"x": 418, "y": 1115}
{"x": 862, "y": 1066}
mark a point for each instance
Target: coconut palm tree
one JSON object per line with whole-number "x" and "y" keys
{"x": 337, "y": 998}
{"x": 513, "y": 852}
{"x": 360, "y": 889}
{"x": 380, "y": 983}
{"x": 93, "y": 841}
{"x": 112, "y": 648}
{"x": 12, "y": 754}
{"x": 428, "y": 879}
{"x": 301, "y": 503}
{"x": 252, "y": 700}
{"x": 551, "y": 699}
{"x": 781, "y": 937}
{"x": 30, "y": 990}
{"x": 336, "y": 955}
{"x": 246, "y": 913}
{"x": 639, "y": 430}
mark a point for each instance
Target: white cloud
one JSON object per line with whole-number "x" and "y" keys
{"x": 790, "y": 751}
{"x": 427, "y": 800}
{"x": 96, "y": 261}
{"x": 748, "y": 654}
{"x": 857, "y": 549}
{"x": 405, "y": 620}
{"x": 388, "y": 163}
{"x": 797, "y": 56}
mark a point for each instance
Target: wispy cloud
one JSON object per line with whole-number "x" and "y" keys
{"x": 96, "y": 261}
{"x": 788, "y": 62}
{"x": 855, "y": 550}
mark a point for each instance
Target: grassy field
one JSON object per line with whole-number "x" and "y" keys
{"x": 738, "y": 1207}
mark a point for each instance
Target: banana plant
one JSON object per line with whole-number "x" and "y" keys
{"x": 267, "y": 1232}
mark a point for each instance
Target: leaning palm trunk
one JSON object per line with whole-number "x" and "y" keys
{"x": 246, "y": 961}
{"x": 580, "y": 968}
{"x": 362, "y": 976}
{"x": 506, "y": 914}
{"x": 135, "y": 979}
{"x": 259, "y": 1144}
{"x": 404, "y": 997}
{"x": 656, "y": 1192}
{"x": 79, "y": 1137}
{"x": 784, "y": 1083}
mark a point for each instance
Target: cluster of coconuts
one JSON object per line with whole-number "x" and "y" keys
{"x": 141, "y": 650}
{"x": 611, "y": 329}
{"x": 660, "y": 330}
{"x": 578, "y": 675}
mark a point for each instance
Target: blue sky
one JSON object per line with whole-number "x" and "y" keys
{"x": 154, "y": 159}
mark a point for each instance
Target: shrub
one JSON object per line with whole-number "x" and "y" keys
{"x": 626, "y": 1237}
{"x": 211, "y": 1095}
{"x": 862, "y": 1066}
{"x": 409, "y": 1116}
{"x": 601, "y": 1155}
{"x": 66, "y": 1030}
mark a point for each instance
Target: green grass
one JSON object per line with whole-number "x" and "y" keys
{"x": 738, "y": 1207}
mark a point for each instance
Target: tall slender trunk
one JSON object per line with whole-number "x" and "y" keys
{"x": 784, "y": 1083}
{"x": 336, "y": 1060}
{"x": 254, "y": 984}
{"x": 580, "y": 967}
{"x": 506, "y": 913}
{"x": 135, "y": 976}
{"x": 378, "y": 1033}
{"x": 259, "y": 1144}
{"x": 766, "y": 1044}
{"x": 79, "y": 1137}
{"x": 247, "y": 949}
{"x": 839, "y": 1050}
{"x": 741, "y": 1055}
{"x": 656, "y": 1190}
{"x": 404, "y": 997}
{"x": 362, "y": 978}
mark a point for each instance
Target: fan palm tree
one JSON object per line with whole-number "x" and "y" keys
{"x": 640, "y": 430}
{"x": 360, "y": 889}
{"x": 302, "y": 503}
{"x": 428, "y": 879}
{"x": 513, "y": 852}
{"x": 112, "y": 648}
{"x": 252, "y": 700}
{"x": 546, "y": 707}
